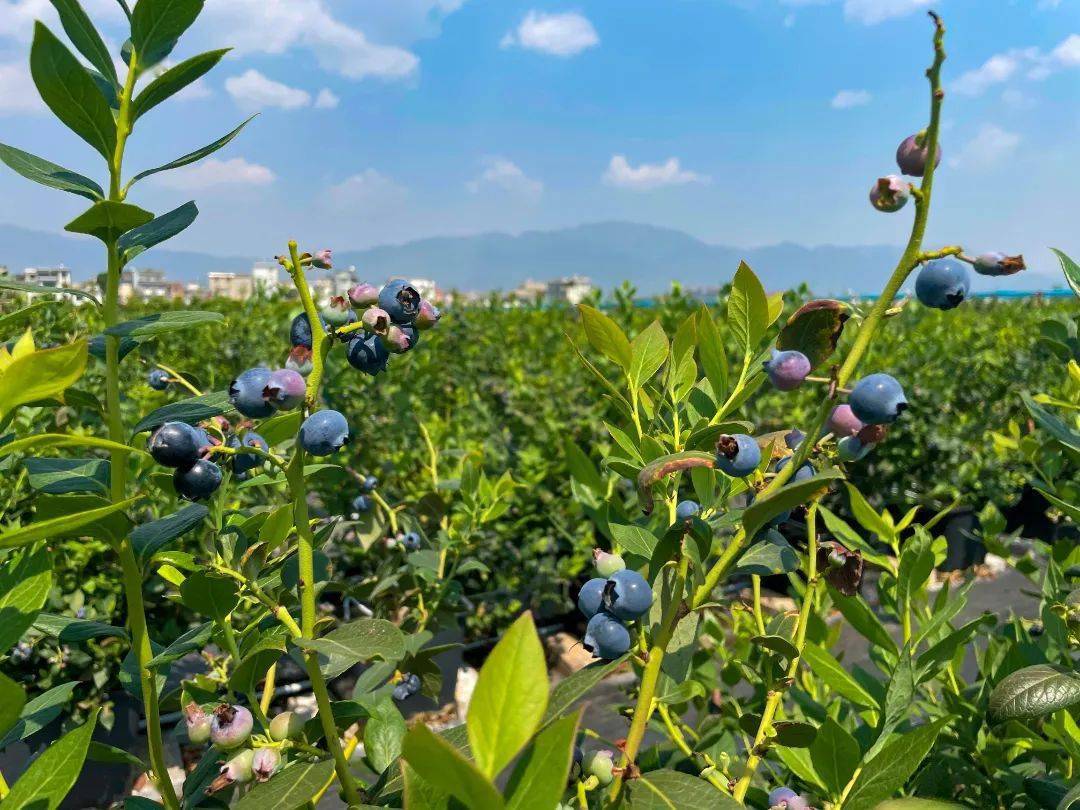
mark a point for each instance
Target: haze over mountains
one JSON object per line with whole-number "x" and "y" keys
{"x": 648, "y": 256}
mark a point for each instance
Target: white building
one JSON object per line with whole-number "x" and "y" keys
{"x": 58, "y": 276}
{"x": 570, "y": 290}
{"x": 266, "y": 277}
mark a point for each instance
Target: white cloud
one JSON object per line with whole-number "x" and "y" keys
{"x": 990, "y": 146}
{"x": 647, "y": 176}
{"x": 17, "y": 16}
{"x": 1067, "y": 54}
{"x": 1017, "y": 99}
{"x": 504, "y": 175}
{"x": 17, "y": 91}
{"x": 214, "y": 172}
{"x": 846, "y": 99}
{"x": 1031, "y": 63}
{"x": 252, "y": 90}
{"x": 565, "y": 34}
{"x": 326, "y": 99}
{"x": 872, "y": 12}
{"x": 369, "y": 191}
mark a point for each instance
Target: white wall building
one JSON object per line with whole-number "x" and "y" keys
{"x": 58, "y": 276}
{"x": 570, "y": 290}
{"x": 266, "y": 276}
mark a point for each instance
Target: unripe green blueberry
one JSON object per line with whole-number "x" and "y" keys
{"x": 286, "y": 726}
{"x": 198, "y": 724}
{"x": 265, "y": 763}
{"x": 607, "y": 564}
{"x": 600, "y": 765}
{"x": 238, "y": 770}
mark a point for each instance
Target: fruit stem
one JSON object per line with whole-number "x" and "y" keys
{"x": 319, "y": 339}
{"x": 651, "y": 676}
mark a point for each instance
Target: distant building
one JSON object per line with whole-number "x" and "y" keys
{"x": 58, "y": 276}
{"x": 569, "y": 290}
{"x": 147, "y": 284}
{"x": 236, "y": 286}
{"x": 332, "y": 285}
{"x": 266, "y": 277}
{"x": 530, "y": 291}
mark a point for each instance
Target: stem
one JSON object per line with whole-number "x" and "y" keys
{"x": 268, "y": 689}
{"x": 759, "y": 619}
{"x": 772, "y": 704}
{"x": 709, "y": 774}
{"x": 651, "y": 675}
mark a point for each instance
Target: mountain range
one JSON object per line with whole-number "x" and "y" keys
{"x": 648, "y": 256}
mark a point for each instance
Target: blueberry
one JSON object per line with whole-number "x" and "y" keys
{"x": 198, "y": 481}
{"x": 300, "y": 331}
{"x": 414, "y": 682}
{"x": 158, "y": 379}
{"x": 237, "y": 771}
{"x": 198, "y": 724}
{"x": 230, "y": 726}
{"x": 176, "y": 444}
{"x": 843, "y": 422}
{"x": 794, "y": 438}
{"x": 363, "y": 295}
{"x": 890, "y": 193}
{"x": 368, "y": 354}
{"x": 361, "y": 503}
{"x": 998, "y": 264}
{"x": 265, "y": 763}
{"x": 943, "y": 284}
{"x": 375, "y": 320}
{"x": 286, "y": 726}
{"x": 411, "y": 541}
{"x": 400, "y": 300}
{"x": 245, "y": 462}
{"x": 337, "y": 312}
{"x": 324, "y": 432}
{"x": 737, "y": 455}
{"x": 590, "y": 597}
{"x": 911, "y": 155}
{"x": 877, "y": 399}
{"x": 607, "y": 564}
{"x": 787, "y": 369}
{"x": 627, "y": 595}
{"x": 400, "y": 692}
{"x": 787, "y": 799}
{"x": 804, "y": 472}
{"x": 369, "y": 484}
{"x": 396, "y": 340}
{"x": 285, "y": 390}
{"x": 428, "y": 316}
{"x": 599, "y": 764}
{"x": 246, "y": 393}
{"x": 850, "y": 448}
{"x": 687, "y": 509}
{"x": 606, "y": 637}
{"x": 300, "y": 360}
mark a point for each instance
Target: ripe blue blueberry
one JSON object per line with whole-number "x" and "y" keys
{"x": 368, "y": 354}
{"x": 687, "y": 509}
{"x": 198, "y": 481}
{"x": 300, "y": 331}
{"x": 245, "y": 462}
{"x": 943, "y": 284}
{"x": 606, "y": 637}
{"x": 246, "y": 393}
{"x": 324, "y": 432}
{"x": 176, "y": 444}
{"x": 801, "y": 474}
{"x": 285, "y": 389}
{"x": 912, "y": 154}
{"x": 877, "y": 399}
{"x": 787, "y": 369}
{"x": 411, "y": 541}
{"x": 850, "y": 448}
{"x": 627, "y": 595}
{"x": 890, "y": 193}
{"x": 369, "y": 484}
{"x": 590, "y": 597}
{"x": 794, "y": 438}
{"x": 408, "y": 686}
{"x": 361, "y": 503}
{"x": 737, "y": 455}
{"x": 158, "y": 379}
{"x": 400, "y": 300}
{"x": 998, "y": 264}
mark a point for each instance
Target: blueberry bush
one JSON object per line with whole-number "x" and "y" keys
{"x": 257, "y": 494}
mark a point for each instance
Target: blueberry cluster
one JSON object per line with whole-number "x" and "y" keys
{"x": 229, "y": 728}
{"x": 619, "y": 595}
{"x": 408, "y": 686}
{"x": 185, "y": 448}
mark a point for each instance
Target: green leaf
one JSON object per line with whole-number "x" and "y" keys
{"x": 70, "y": 630}
{"x": 43, "y": 440}
{"x": 156, "y": 231}
{"x": 778, "y": 644}
{"x": 1068, "y": 802}
{"x": 835, "y": 753}
{"x": 649, "y": 350}
{"x": 192, "y": 411}
{"x": 916, "y": 804}
{"x": 886, "y": 773}
{"x": 161, "y": 323}
{"x": 361, "y": 640}
{"x": 58, "y": 476}
{"x": 50, "y": 174}
{"x": 710, "y": 349}
{"x": 149, "y": 538}
{"x": 814, "y": 329}
{"x": 25, "y": 579}
{"x": 567, "y": 691}
{"x": 49, "y": 778}
{"x": 12, "y": 700}
{"x": 38, "y": 713}
{"x": 794, "y": 734}
{"x": 418, "y": 792}
{"x": 773, "y": 555}
{"x": 748, "y": 309}
{"x": 1071, "y": 270}
{"x": 41, "y": 530}
{"x": 606, "y": 337}
{"x": 37, "y": 289}
{"x": 510, "y": 698}
{"x": 383, "y": 735}
{"x": 20, "y": 316}
{"x": 85, "y": 38}
{"x": 191, "y": 157}
{"x": 174, "y": 80}
{"x": 836, "y": 677}
{"x": 290, "y": 788}
{"x": 194, "y": 639}
{"x": 276, "y": 479}
{"x": 1034, "y": 691}
{"x": 1052, "y": 424}
{"x": 634, "y": 539}
{"x": 111, "y": 755}
{"x": 255, "y": 663}
{"x": 674, "y": 790}
{"x": 787, "y": 497}
{"x": 108, "y": 220}
{"x": 41, "y": 374}
{"x": 210, "y": 595}
{"x": 439, "y": 763}
{"x": 867, "y": 516}
{"x": 862, "y": 618}
{"x": 899, "y": 697}
{"x": 540, "y": 774}
{"x": 69, "y": 91}
{"x": 156, "y": 25}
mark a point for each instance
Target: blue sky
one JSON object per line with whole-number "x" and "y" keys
{"x": 742, "y": 122}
